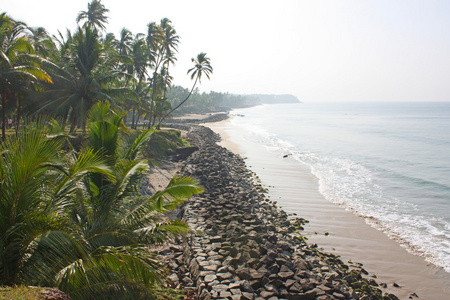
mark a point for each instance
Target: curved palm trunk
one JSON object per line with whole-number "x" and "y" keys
{"x": 181, "y": 103}
{"x": 161, "y": 111}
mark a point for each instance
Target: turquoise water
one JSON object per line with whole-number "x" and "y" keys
{"x": 388, "y": 162}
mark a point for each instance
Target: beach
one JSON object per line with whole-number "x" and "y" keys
{"x": 336, "y": 229}
{"x": 246, "y": 247}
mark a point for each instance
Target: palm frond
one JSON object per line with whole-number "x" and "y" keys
{"x": 138, "y": 143}
{"x": 112, "y": 272}
{"x": 177, "y": 191}
{"x": 160, "y": 233}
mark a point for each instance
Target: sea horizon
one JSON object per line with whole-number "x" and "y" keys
{"x": 388, "y": 162}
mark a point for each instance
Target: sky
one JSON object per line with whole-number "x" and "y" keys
{"x": 323, "y": 50}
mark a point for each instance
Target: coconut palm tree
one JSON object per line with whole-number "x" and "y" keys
{"x": 123, "y": 44}
{"x": 34, "y": 179}
{"x": 169, "y": 48}
{"x": 18, "y": 65}
{"x": 115, "y": 223}
{"x": 83, "y": 81}
{"x": 164, "y": 82}
{"x": 76, "y": 220}
{"x": 163, "y": 40}
{"x": 202, "y": 66}
{"x": 95, "y": 15}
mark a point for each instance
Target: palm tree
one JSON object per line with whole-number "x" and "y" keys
{"x": 42, "y": 42}
{"x": 202, "y": 66}
{"x": 83, "y": 81}
{"x": 170, "y": 47}
{"x": 123, "y": 44}
{"x": 76, "y": 221}
{"x": 18, "y": 66}
{"x": 95, "y": 15}
{"x": 34, "y": 180}
{"x": 114, "y": 223}
{"x": 163, "y": 41}
{"x": 165, "y": 81}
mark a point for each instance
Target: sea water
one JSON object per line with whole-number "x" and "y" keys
{"x": 387, "y": 162}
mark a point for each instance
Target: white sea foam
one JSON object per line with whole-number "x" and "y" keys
{"x": 381, "y": 163}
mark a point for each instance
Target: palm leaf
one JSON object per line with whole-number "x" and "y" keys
{"x": 177, "y": 191}
{"x": 160, "y": 233}
{"x": 138, "y": 143}
{"x": 112, "y": 272}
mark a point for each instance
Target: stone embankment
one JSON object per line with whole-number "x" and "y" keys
{"x": 212, "y": 117}
{"x": 246, "y": 247}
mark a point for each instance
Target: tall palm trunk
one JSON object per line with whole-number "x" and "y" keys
{"x": 133, "y": 117}
{"x": 181, "y": 103}
{"x": 152, "y": 100}
{"x": 19, "y": 115}
{"x": 4, "y": 116}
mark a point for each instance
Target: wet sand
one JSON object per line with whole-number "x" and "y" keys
{"x": 296, "y": 191}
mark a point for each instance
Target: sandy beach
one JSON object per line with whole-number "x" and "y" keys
{"x": 335, "y": 229}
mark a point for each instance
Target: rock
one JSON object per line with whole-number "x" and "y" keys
{"x": 223, "y": 276}
{"x": 286, "y": 275}
{"x": 338, "y": 296}
{"x": 54, "y": 294}
{"x": 247, "y": 296}
{"x": 295, "y": 288}
{"x": 210, "y": 278}
{"x": 224, "y": 294}
{"x": 183, "y": 153}
{"x": 246, "y": 250}
{"x": 266, "y": 294}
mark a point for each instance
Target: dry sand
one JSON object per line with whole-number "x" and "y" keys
{"x": 160, "y": 176}
{"x": 296, "y": 191}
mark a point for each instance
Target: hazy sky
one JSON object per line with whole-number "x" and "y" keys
{"x": 336, "y": 50}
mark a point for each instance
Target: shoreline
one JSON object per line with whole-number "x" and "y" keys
{"x": 249, "y": 248}
{"x": 348, "y": 235}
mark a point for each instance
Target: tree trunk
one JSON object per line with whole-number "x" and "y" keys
{"x": 19, "y": 112}
{"x": 182, "y": 102}
{"x": 152, "y": 100}
{"x": 4, "y": 116}
{"x": 132, "y": 119}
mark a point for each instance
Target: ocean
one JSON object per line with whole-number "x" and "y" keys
{"x": 386, "y": 162}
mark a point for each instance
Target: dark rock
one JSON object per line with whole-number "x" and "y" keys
{"x": 54, "y": 294}
{"x": 286, "y": 275}
{"x": 248, "y": 296}
{"x": 266, "y": 294}
{"x": 183, "y": 153}
{"x": 295, "y": 288}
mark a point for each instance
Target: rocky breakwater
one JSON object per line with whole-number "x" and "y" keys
{"x": 247, "y": 248}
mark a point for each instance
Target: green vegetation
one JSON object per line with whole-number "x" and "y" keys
{"x": 71, "y": 214}
{"x": 163, "y": 142}
{"x": 214, "y": 101}
{"x": 65, "y": 76}
{"x": 20, "y": 293}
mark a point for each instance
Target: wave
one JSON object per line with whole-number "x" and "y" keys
{"x": 356, "y": 187}
{"x": 363, "y": 187}
{"x": 352, "y": 185}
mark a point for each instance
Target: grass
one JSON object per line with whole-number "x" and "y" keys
{"x": 20, "y": 293}
{"x": 163, "y": 142}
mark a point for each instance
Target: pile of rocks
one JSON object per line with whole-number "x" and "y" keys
{"x": 247, "y": 248}
{"x": 212, "y": 117}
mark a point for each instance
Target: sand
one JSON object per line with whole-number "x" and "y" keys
{"x": 296, "y": 191}
{"x": 160, "y": 176}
